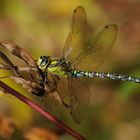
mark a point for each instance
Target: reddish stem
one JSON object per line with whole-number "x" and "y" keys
{"x": 46, "y": 114}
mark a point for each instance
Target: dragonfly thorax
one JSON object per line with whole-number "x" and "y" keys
{"x": 56, "y": 66}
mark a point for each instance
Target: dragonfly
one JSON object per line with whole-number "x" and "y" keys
{"x": 82, "y": 55}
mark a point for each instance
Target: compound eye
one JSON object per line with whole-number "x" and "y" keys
{"x": 44, "y": 62}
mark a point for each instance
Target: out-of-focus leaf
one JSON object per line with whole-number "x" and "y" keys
{"x": 7, "y": 126}
{"x": 19, "y": 52}
{"x": 41, "y": 134}
{"x": 22, "y": 54}
{"x": 9, "y": 63}
{"x": 128, "y": 89}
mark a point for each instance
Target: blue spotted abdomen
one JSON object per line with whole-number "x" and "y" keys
{"x": 77, "y": 73}
{"x": 113, "y": 76}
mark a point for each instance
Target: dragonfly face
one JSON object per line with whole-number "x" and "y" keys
{"x": 43, "y": 62}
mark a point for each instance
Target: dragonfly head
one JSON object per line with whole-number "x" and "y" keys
{"x": 43, "y": 62}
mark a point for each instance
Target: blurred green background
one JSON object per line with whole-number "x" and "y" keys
{"x": 41, "y": 27}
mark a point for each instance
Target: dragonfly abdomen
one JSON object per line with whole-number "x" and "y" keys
{"x": 112, "y": 76}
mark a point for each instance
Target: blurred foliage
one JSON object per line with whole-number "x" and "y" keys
{"x": 7, "y": 126}
{"x": 41, "y": 28}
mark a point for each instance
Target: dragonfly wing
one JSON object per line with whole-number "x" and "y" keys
{"x": 80, "y": 96}
{"x": 97, "y": 48}
{"x": 51, "y": 102}
{"x": 64, "y": 91}
{"x": 77, "y": 35}
{"x": 75, "y": 93}
{"x": 84, "y": 52}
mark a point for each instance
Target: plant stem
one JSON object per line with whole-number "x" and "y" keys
{"x": 38, "y": 108}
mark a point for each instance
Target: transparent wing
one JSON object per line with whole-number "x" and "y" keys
{"x": 52, "y": 103}
{"x": 77, "y": 36}
{"x": 97, "y": 49}
{"x": 84, "y": 53}
{"x": 80, "y": 100}
{"x": 76, "y": 96}
{"x": 63, "y": 90}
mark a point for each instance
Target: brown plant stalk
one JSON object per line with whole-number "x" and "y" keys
{"x": 39, "y": 109}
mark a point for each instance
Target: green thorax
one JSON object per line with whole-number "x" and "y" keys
{"x": 56, "y": 68}
{"x": 59, "y": 67}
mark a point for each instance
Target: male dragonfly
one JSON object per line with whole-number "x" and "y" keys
{"x": 82, "y": 55}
